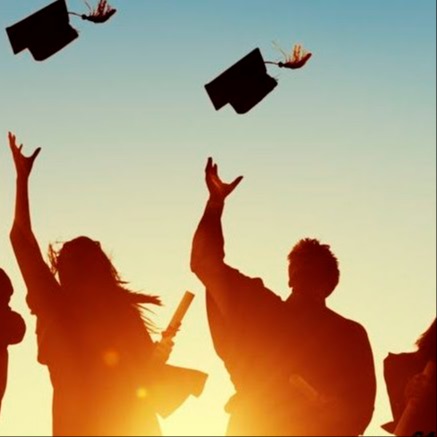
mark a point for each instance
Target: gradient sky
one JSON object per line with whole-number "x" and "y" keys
{"x": 342, "y": 150}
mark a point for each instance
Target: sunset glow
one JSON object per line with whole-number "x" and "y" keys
{"x": 343, "y": 150}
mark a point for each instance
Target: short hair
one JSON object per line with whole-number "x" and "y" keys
{"x": 312, "y": 266}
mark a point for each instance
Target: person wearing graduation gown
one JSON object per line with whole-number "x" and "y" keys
{"x": 298, "y": 368}
{"x": 91, "y": 331}
{"x": 411, "y": 385}
{"x": 12, "y": 329}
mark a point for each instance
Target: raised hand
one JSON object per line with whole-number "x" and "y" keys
{"x": 23, "y": 164}
{"x": 218, "y": 190}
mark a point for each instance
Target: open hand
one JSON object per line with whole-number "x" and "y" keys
{"x": 23, "y": 164}
{"x": 218, "y": 190}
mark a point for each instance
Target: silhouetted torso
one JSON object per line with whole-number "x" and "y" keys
{"x": 91, "y": 334}
{"x": 297, "y": 367}
{"x": 98, "y": 358}
{"x": 400, "y": 370}
{"x": 264, "y": 341}
{"x": 12, "y": 330}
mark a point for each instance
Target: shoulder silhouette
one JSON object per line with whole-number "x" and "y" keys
{"x": 108, "y": 376}
{"x": 298, "y": 368}
{"x": 411, "y": 386}
{"x": 12, "y": 329}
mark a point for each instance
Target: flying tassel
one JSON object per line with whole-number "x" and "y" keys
{"x": 297, "y": 59}
{"x": 102, "y": 13}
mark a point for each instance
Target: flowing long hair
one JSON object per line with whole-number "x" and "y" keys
{"x": 84, "y": 269}
{"x": 427, "y": 343}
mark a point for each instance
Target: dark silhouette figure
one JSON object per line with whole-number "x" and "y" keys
{"x": 298, "y": 368}
{"x": 411, "y": 385}
{"x": 12, "y": 329}
{"x": 91, "y": 332}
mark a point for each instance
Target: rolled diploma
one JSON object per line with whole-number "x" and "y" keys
{"x": 179, "y": 314}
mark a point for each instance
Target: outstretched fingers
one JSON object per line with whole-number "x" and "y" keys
{"x": 235, "y": 183}
{"x": 211, "y": 168}
{"x": 35, "y": 154}
{"x": 12, "y": 141}
{"x": 209, "y": 165}
{"x": 216, "y": 186}
{"x": 17, "y": 150}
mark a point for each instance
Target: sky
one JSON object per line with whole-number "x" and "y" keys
{"x": 342, "y": 150}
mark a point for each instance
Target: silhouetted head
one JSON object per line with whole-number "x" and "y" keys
{"x": 313, "y": 269}
{"x": 82, "y": 262}
{"x": 6, "y": 288}
{"x": 84, "y": 269}
{"x": 427, "y": 343}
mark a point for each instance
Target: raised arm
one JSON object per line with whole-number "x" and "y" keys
{"x": 207, "y": 256}
{"x": 38, "y": 278}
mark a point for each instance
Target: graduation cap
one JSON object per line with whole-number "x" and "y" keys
{"x": 243, "y": 85}
{"x": 44, "y": 33}
{"x": 48, "y": 30}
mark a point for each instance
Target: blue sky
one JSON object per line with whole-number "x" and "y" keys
{"x": 343, "y": 150}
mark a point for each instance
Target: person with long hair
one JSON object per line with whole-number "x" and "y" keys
{"x": 411, "y": 386}
{"x": 92, "y": 333}
{"x": 12, "y": 329}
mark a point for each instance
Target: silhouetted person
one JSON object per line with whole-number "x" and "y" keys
{"x": 91, "y": 333}
{"x": 298, "y": 368}
{"x": 12, "y": 329}
{"x": 411, "y": 384}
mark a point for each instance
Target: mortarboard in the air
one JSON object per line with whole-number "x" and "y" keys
{"x": 243, "y": 85}
{"x": 44, "y": 33}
